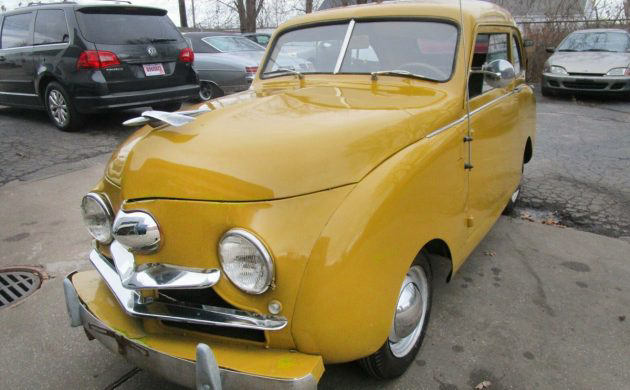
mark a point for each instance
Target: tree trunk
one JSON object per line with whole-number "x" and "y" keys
{"x": 309, "y": 6}
{"x": 182, "y": 13}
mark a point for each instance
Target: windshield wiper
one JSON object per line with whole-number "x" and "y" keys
{"x": 282, "y": 71}
{"x": 398, "y": 72}
{"x": 567, "y": 50}
{"x": 606, "y": 50}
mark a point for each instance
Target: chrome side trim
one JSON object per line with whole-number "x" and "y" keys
{"x": 344, "y": 47}
{"x": 18, "y": 94}
{"x": 162, "y": 276}
{"x": 132, "y": 303}
{"x": 446, "y": 127}
{"x": 475, "y": 111}
{"x": 175, "y": 369}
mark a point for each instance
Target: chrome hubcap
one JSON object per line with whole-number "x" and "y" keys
{"x": 58, "y": 107}
{"x": 411, "y": 311}
{"x": 205, "y": 91}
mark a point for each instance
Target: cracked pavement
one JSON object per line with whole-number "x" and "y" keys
{"x": 580, "y": 170}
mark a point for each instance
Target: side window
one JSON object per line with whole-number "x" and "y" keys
{"x": 16, "y": 30}
{"x": 488, "y": 47}
{"x": 50, "y": 27}
{"x": 517, "y": 58}
{"x": 262, "y": 40}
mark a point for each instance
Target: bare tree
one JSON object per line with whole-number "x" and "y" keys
{"x": 182, "y": 14}
{"x": 308, "y": 7}
{"x": 248, "y": 11}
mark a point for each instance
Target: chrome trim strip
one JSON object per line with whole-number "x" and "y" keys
{"x": 475, "y": 111}
{"x": 446, "y": 127}
{"x": 177, "y": 370}
{"x": 132, "y": 303}
{"x": 344, "y": 47}
{"x": 159, "y": 276}
{"x": 18, "y": 94}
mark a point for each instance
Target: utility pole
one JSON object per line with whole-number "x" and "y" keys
{"x": 192, "y": 2}
{"x": 182, "y": 14}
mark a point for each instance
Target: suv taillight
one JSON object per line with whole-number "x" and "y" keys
{"x": 186, "y": 55}
{"x": 97, "y": 59}
{"x": 251, "y": 70}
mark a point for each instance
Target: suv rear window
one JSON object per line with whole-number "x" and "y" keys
{"x": 115, "y": 27}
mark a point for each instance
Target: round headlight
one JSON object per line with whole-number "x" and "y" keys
{"x": 97, "y": 216}
{"x": 246, "y": 261}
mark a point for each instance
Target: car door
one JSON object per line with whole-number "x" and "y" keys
{"x": 50, "y": 39}
{"x": 16, "y": 64}
{"x": 493, "y": 120}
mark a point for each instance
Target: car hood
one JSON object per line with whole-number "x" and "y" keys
{"x": 590, "y": 62}
{"x": 263, "y": 145}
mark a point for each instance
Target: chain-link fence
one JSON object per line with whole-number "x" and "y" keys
{"x": 546, "y": 34}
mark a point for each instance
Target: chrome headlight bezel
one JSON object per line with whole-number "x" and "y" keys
{"x": 265, "y": 257}
{"x": 106, "y": 213}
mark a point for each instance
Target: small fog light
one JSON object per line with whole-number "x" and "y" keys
{"x": 275, "y": 307}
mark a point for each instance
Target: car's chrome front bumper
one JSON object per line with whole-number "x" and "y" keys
{"x": 186, "y": 372}
{"x": 581, "y": 83}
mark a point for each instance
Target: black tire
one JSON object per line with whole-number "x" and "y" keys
{"x": 208, "y": 91}
{"x": 384, "y": 364}
{"x": 169, "y": 107}
{"x": 61, "y": 109}
{"x": 516, "y": 195}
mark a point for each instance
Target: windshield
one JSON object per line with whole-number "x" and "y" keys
{"x": 419, "y": 48}
{"x": 229, "y": 44}
{"x": 596, "y": 41}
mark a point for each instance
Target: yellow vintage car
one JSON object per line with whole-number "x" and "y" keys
{"x": 249, "y": 242}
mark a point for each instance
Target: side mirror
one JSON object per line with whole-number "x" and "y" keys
{"x": 528, "y": 43}
{"x": 551, "y": 50}
{"x": 498, "y": 73}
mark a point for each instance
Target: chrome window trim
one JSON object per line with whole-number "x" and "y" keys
{"x": 133, "y": 304}
{"x": 344, "y": 46}
{"x": 260, "y": 246}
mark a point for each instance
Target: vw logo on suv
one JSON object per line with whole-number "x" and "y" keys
{"x": 152, "y": 51}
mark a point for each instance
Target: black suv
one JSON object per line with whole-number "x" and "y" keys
{"x": 76, "y": 59}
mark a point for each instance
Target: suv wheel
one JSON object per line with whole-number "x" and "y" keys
{"x": 169, "y": 107}
{"x": 61, "y": 109}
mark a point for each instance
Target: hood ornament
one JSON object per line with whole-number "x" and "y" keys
{"x": 159, "y": 118}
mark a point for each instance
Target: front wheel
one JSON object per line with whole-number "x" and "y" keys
{"x": 409, "y": 325}
{"x": 60, "y": 108}
{"x": 208, "y": 91}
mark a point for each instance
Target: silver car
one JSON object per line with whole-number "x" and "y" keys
{"x": 589, "y": 61}
{"x": 227, "y": 63}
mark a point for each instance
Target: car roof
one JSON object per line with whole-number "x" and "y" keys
{"x": 203, "y": 34}
{"x": 596, "y": 30}
{"x": 477, "y": 11}
{"x": 78, "y": 6}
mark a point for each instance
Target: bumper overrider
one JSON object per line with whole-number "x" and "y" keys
{"x": 116, "y": 316}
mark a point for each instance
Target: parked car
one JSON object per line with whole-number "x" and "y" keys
{"x": 299, "y": 223}
{"x": 595, "y": 60}
{"x": 259, "y": 38}
{"x": 227, "y": 63}
{"x": 72, "y": 60}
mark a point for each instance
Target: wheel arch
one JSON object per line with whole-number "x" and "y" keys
{"x": 439, "y": 256}
{"x": 43, "y": 82}
{"x": 529, "y": 150}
